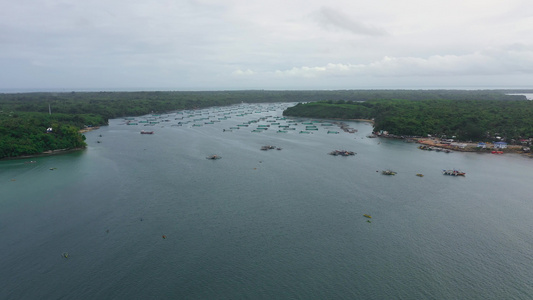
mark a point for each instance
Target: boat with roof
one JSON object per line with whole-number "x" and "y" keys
{"x": 453, "y": 172}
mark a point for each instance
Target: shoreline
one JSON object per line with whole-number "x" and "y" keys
{"x": 56, "y": 151}
{"x": 471, "y": 147}
{"x": 45, "y": 153}
{"x": 87, "y": 129}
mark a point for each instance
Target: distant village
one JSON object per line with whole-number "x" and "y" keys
{"x": 433, "y": 143}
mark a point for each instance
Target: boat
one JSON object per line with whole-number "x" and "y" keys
{"x": 367, "y": 216}
{"x": 420, "y": 175}
{"x": 146, "y": 132}
{"x": 453, "y": 173}
{"x": 213, "y": 157}
{"x": 388, "y": 172}
{"x": 342, "y": 153}
{"x": 269, "y": 147}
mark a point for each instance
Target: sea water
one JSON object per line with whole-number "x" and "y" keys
{"x": 147, "y": 216}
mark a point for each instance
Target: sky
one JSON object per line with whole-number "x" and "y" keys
{"x": 274, "y": 45}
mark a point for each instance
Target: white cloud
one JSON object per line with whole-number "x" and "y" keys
{"x": 246, "y": 72}
{"x": 490, "y": 62}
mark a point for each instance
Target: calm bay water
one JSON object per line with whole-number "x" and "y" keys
{"x": 258, "y": 224}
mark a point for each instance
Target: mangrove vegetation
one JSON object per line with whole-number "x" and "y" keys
{"x": 33, "y": 123}
{"x": 466, "y": 120}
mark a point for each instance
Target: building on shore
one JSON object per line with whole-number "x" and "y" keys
{"x": 500, "y": 145}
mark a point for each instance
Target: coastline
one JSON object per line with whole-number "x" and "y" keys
{"x": 87, "y": 129}
{"x": 470, "y": 147}
{"x": 364, "y": 120}
{"x": 56, "y": 151}
{"x": 45, "y": 153}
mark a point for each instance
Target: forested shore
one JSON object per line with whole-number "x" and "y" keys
{"x": 26, "y": 117}
{"x": 463, "y": 120}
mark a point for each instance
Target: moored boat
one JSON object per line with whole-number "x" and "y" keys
{"x": 342, "y": 153}
{"x": 146, "y": 132}
{"x": 388, "y": 172}
{"x": 453, "y": 173}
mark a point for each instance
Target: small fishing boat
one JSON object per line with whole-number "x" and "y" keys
{"x": 213, "y": 157}
{"x": 367, "y": 216}
{"x": 146, "y": 132}
{"x": 420, "y": 175}
{"x": 453, "y": 173}
{"x": 342, "y": 153}
{"x": 388, "y": 172}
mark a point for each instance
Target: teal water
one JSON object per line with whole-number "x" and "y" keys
{"x": 277, "y": 224}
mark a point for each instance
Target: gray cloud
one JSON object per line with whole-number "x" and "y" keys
{"x": 331, "y": 18}
{"x": 239, "y": 44}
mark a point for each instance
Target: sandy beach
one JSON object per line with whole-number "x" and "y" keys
{"x": 468, "y": 147}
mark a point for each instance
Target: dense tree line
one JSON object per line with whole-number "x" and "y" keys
{"x": 24, "y": 133}
{"x": 120, "y": 104}
{"x": 479, "y": 120}
{"x": 24, "y": 117}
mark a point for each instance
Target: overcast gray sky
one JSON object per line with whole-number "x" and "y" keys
{"x": 275, "y": 44}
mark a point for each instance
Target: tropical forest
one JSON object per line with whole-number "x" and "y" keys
{"x": 34, "y": 123}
